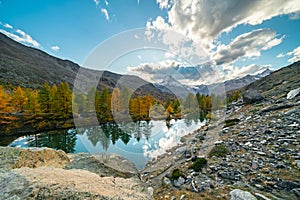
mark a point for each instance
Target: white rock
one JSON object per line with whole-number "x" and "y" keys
{"x": 219, "y": 142}
{"x": 263, "y": 141}
{"x": 248, "y": 144}
{"x": 150, "y": 191}
{"x": 238, "y": 194}
{"x": 293, "y": 93}
{"x": 261, "y": 196}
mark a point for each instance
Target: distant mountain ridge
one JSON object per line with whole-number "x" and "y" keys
{"x": 30, "y": 67}
{"x": 171, "y": 85}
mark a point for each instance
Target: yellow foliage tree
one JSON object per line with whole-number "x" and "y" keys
{"x": 19, "y": 99}
{"x": 33, "y": 105}
{"x": 5, "y": 107}
{"x": 169, "y": 111}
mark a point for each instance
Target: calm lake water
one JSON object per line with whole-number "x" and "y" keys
{"x": 136, "y": 141}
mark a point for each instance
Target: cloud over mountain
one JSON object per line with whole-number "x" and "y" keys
{"x": 246, "y": 45}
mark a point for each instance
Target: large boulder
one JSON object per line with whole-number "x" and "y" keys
{"x": 293, "y": 93}
{"x": 238, "y": 194}
{"x": 11, "y": 158}
{"x": 252, "y": 96}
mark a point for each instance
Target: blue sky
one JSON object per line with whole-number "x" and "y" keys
{"x": 239, "y": 37}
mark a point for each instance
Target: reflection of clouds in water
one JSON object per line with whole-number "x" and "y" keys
{"x": 170, "y": 140}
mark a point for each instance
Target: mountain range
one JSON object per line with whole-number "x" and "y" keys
{"x": 30, "y": 67}
{"x": 171, "y": 85}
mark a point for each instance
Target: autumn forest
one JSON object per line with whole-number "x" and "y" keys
{"x": 55, "y": 106}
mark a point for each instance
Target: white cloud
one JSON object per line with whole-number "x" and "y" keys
{"x": 8, "y": 26}
{"x": 281, "y": 55}
{"x": 204, "y": 21}
{"x": 105, "y": 13}
{"x": 296, "y": 55}
{"x": 106, "y": 2}
{"x": 204, "y": 73}
{"x": 246, "y": 45}
{"x": 154, "y": 71}
{"x": 55, "y": 48}
{"x": 163, "y": 4}
{"x": 21, "y": 36}
{"x": 97, "y": 2}
{"x": 176, "y": 43}
{"x": 183, "y": 72}
{"x": 231, "y": 71}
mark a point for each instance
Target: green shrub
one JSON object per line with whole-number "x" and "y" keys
{"x": 176, "y": 174}
{"x": 231, "y": 122}
{"x": 198, "y": 164}
{"x": 219, "y": 151}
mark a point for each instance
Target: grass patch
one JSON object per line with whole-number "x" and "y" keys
{"x": 198, "y": 164}
{"x": 219, "y": 151}
{"x": 176, "y": 173}
{"x": 231, "y": 122}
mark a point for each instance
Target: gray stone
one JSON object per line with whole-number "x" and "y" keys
{"x": 179, "y": 182}
{"x": 298, "y": 163}
{"x": 288, "y": 185}
{"x": 238, "y": 194}
{"x": 252, "y": 96}
{"x": 296, "y": 192}
{"x": 166, "y": 181}
{"x": 231, "y": 175}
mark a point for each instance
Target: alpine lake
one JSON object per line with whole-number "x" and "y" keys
{"x": 137, "y": 141}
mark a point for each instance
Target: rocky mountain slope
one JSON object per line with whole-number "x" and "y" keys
{"x": 276, "y": 85}
{"x": 254, "y": 154}
{"x": 30, "y": 67}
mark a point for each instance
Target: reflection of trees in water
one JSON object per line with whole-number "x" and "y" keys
{"x": 60, "y": 139}
{"x": 123, "y": 131}
{"x": 189, "y": 118}
{"x": 96, "y": 134}
{"x": 105, "y": 133}
{"x": 143, "y": 128}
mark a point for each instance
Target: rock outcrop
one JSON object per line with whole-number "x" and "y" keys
{"x": 43, "y": 173}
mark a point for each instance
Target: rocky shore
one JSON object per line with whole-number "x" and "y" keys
{"x": 49, "y": 174}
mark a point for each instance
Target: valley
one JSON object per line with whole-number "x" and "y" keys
{"x": 102, "y": 135}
